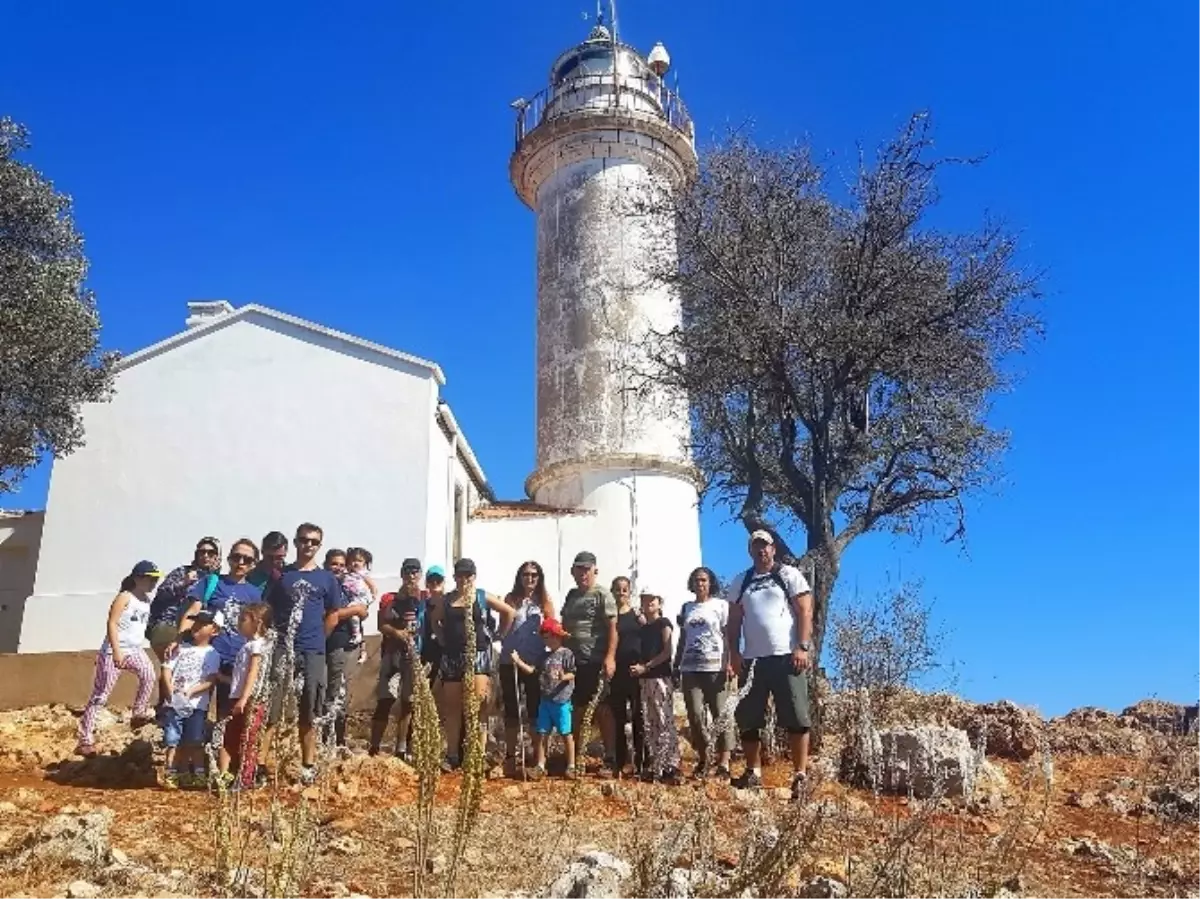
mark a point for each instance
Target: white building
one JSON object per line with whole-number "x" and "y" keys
{"x": 198, "y": 438}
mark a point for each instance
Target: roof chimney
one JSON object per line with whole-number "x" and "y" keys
{"x": 202, "y": 312}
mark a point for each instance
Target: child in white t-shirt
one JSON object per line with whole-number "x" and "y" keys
{"x": 250, "y": 670}
{"x": 188, "y": 677}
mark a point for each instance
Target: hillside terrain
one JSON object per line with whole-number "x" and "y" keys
{"x": 1090, "y": 804}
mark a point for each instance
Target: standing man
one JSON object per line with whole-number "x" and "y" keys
{"x": 401, "y": 622}
{"x": 171, "y": 598}
{"x": 770, "y": 607}
{"x": 309, "y": 605}
{"x": 589, "y": 615}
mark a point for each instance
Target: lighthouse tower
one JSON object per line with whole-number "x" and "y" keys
{"x": 605, "y": 133}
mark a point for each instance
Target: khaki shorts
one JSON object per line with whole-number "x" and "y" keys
{"x": 161, "y": 636}
{"x": 774, "y": 676}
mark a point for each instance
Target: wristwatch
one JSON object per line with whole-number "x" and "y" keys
{"x": 805, "y": 645}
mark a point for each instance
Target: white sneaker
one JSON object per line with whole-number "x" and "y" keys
{"x": 308, "y": 775}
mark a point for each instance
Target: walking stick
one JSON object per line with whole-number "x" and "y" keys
{"x": 520, "y": 721}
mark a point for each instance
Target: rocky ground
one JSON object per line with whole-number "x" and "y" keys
{"x": 1091, "y": 804}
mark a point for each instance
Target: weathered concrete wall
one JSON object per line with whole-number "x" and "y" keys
{"x": 20, "y": 539}
{"x": 596, "y": 303}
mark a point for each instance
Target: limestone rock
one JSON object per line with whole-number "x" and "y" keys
{"x": 1086, "y": 799}
{"x": 1175, "y": 802}
{"x": 822, "y": 887}
{"x": 592, "y": 874}
{"x": 82, "y": 889}
{"x": 74, "y": 837}
{"x": 1009, "y": 730}
{"x": 1160, "y": 716}
{"x": 345, "y": 845}
{"x": 925, "y": 761}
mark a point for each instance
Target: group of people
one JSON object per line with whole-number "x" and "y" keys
{"x": 244, "y": 639}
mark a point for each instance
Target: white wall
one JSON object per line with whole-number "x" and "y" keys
{"x": 254, "y": 426}
{"x": 20, "y": 536}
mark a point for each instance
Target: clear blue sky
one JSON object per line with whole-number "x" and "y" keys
{"x": 350, "y": 167}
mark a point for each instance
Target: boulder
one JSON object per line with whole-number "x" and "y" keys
{"x": 1175, "y": 802}
{"x": 925, "y": 761}
{"x": 822, "y": 887}
{"x": 81, "y": 889}
{"x": 1160, "y": 716}
{"x": 1004, "y": 729}
{"x": 593, "y": 874}
{"x": 70, "y": 837}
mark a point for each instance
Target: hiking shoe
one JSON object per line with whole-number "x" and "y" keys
{"x": 799, "y": 786}
{"x": 747, "y": 780}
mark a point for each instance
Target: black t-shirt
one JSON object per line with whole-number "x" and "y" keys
{"x": 402, "y": 614}
{"x": 655, "y": 636}
{"x": 629, "y": 640}
{"x": 454, "y": 627}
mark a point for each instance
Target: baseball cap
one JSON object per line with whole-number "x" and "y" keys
{"x": 206, "y": 617}
{"x": 552, "y": 626}
{"x": 464, "y": 566}
{"x": 146, "y": 569}
{"x": 764, "y": 536}
{"x": 585, "y": 558}
{"x": 648, "y": 590}
{"x": 410, "y": 564}
{"x": 436, "y": 571}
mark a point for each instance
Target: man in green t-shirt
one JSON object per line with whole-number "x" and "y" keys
{"x": 589, "y": 615}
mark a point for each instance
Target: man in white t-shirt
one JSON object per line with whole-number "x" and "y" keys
{"x": 770, "y": 609}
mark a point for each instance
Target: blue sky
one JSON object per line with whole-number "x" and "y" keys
{"x": 351, "y": 167}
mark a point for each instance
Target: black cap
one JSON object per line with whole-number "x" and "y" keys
{"x": 464, "y": 566}
{"x": 410, "y": 564}
{"x": 146, "y": 569}
{"x": 585, "y": 558}
{"x": 204, "y": 617}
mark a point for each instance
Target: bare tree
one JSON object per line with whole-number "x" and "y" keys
{"x": 49, "y": 330}
{"x": 840, "y": 355}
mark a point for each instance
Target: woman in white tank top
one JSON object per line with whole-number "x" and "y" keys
{"x": 122, "y": 650}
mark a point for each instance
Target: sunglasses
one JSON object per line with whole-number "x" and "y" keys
{"x": 241, "y": 559}
{"x": 408, "y": 571}
{"x": 308, "y": 541}
{"x": 205, "y": 551}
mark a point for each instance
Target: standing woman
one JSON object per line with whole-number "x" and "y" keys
{"x": 460, "y": 661}
{"x": 122, "y": 651}
{"x": 624, "y": 693}
{"x": 703, "y": 660}
{"x": 531, "y": 605}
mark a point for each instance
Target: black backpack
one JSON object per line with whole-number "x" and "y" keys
{"x": 750, "y": 575}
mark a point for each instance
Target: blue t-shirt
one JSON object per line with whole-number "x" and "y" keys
{"x": 228, "y": 599}
{"x": 315, "y": 592}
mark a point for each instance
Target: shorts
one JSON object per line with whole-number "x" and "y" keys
{"x": 452, "y": 665}
{"x": 395, "y": 678}
{"x": 773, "y": 676}
{"x": 243, "y": 725}
{"x": 161, "y": 636}
{"x": 553, "y": 716}
{"x": 587, "y": 685}
{"x": 189, "y": 731}
{"x": 311, "y": 667}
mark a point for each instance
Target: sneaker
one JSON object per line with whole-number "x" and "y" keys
{"x": 537, "y": 773}
{"x": 799, "y": 786}
{"x": 170, "y": 780}
{"x": 87, "y": 750}
{"x": 747, "y": 780}
{"x": 308, "y": 775}
{"x": 405, "y": 755}
{"x": 571, "y": 774}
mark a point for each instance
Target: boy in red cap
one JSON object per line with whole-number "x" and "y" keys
{"x": 557, "y": 670}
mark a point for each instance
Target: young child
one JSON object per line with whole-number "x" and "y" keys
{"x": 188, "y": 677}
{"x": 246, "y": 715}
{"x": 657, "y": 689}
{"x": 359, "y": 587}
{"x": 557, "y": 669}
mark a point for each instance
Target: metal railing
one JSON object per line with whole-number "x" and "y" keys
{"x": 533, "y": 112}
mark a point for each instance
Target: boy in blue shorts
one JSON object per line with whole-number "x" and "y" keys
{"x": 188, "y": 678}
{"x": 557, "y": 676}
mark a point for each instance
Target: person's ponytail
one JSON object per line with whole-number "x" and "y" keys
{"x": 128, "y": 583}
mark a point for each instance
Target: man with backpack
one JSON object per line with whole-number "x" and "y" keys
{"x": 770, "y": 609}
{"x": 402, "y": 627}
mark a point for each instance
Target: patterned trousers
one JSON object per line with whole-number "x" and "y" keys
{"x": 658, "y": 713}
{"x": 105, "y": 680}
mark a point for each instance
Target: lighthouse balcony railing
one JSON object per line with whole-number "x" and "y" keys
{"x": 558, "y": 99}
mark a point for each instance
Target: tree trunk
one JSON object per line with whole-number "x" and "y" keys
{"x": 825, "y": 565}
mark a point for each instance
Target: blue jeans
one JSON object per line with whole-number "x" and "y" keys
{"x": 189, "y": 730}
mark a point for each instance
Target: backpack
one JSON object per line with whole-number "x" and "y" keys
{"x": 210, "y": 587}
{"x": 489, "y": 620}
{"x": 751, "y": 576}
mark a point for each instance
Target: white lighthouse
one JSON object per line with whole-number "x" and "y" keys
{"x": 605, "y": 132}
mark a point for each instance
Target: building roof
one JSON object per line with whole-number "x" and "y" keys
{"x": 523, "y": 508}
{"x": 221, "y": 319}
{"x": 449, "y": 426}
